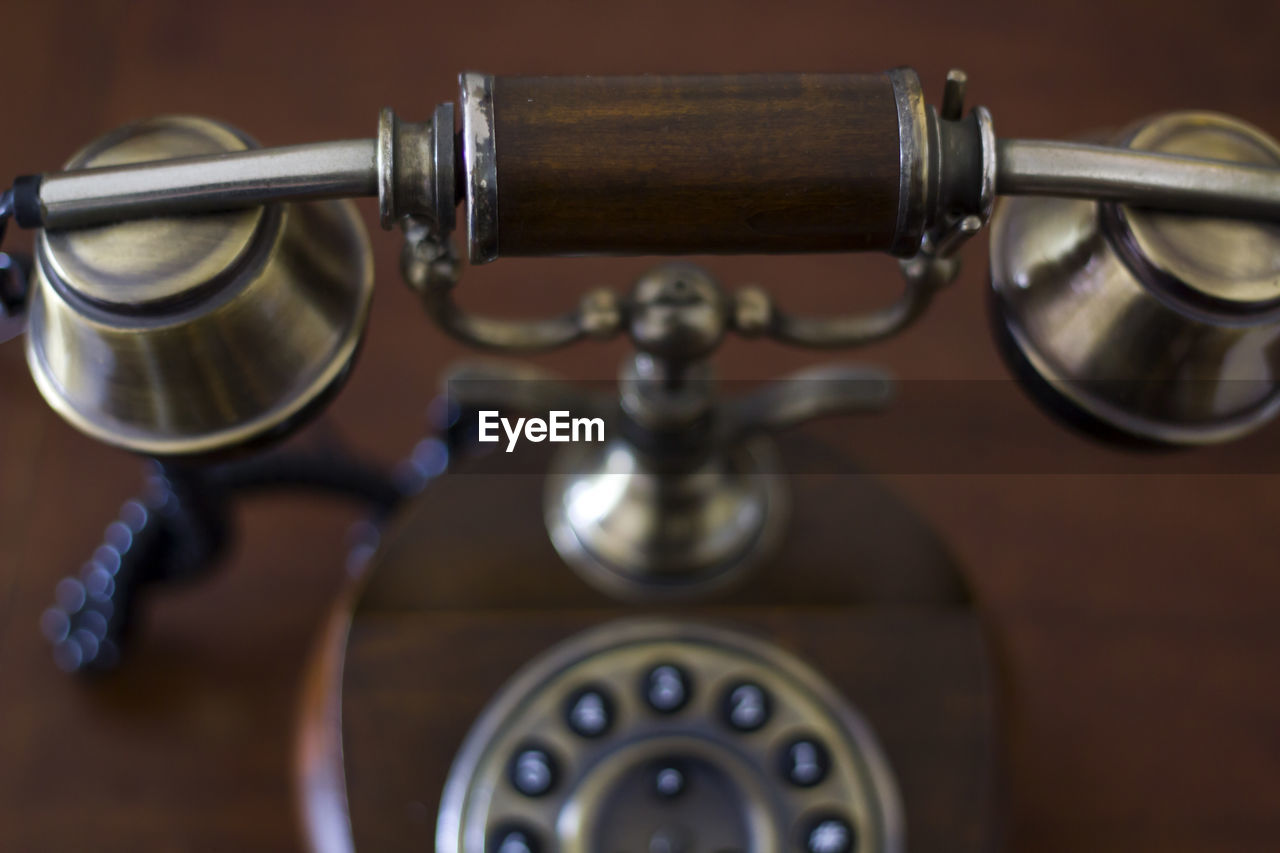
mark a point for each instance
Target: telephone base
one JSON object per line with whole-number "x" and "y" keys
{"x": 451, "y": 607}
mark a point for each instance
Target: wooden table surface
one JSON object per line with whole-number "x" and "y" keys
{"x": 1137, "y": 610}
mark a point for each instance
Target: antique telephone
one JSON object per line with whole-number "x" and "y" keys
{"x": 192, "y": 295}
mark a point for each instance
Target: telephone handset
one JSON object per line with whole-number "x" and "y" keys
{"x": 193, "y": 294}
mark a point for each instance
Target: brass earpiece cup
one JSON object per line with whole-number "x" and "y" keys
{"x": 1048, "y": 397}
{"x": 1137, "y": 326}
{"x": 239, "y": 368}
{"x": 196, "y": 335}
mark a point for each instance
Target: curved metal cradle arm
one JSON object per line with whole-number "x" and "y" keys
{"x": 850, "y": 329}
{"x": 492, "y": 333}
{"x": 932, "y": 269}
{"x": 431, "y": 268}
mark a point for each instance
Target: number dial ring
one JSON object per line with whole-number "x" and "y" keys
{"x": 858, "y": 784}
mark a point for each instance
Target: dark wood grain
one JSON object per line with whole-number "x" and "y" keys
{"x": 708, "y": 163}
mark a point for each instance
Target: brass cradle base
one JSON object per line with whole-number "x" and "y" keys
{"x": 466, "y": 588}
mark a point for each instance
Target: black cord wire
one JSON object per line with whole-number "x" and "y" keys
{"x": 331, "y": 473}
{"x": 15, "y": 270}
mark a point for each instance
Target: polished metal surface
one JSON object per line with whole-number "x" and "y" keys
{"x": 440, "y": 166}
{"x": 602, "y": 796}
{"x": 640, "y": 520}
{"x": 653, "y": 524}
{"x": 137, "y": 263}
{"x": 431, "y": 269}
{"x": 685, "y": 496}
{"x": 479, "y": 156}
{"x": 1163, "y": 327}
{"x": 671, "y": 507}
{"x": 415, "y": 163}
{"x": 114, "y": 190}
{"x": 188, "y": 335}
{"x": 990, "y": 164}
{"x": 384, "y": 166}
{"x": 913, "y": 163}
{"x": 1166, "y": 181}
{"x": 677, "y": 313}
{"x": 700, "y": 500}
{"x": 806, "y": 395}
{"x": 1229, "y": 265}
{"x": 639, "y": 531}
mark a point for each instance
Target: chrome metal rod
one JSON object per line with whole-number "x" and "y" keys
{"x": 1142, "y": 178}
{"x": 216, "y": 182}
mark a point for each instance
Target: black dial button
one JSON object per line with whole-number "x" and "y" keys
{"x": 666, "y": 688}
{"x": 805, "y": 762}
{"x": 746, "y": 706}
{"x": 589, "y": 712}
{"x": 533, "y": 771}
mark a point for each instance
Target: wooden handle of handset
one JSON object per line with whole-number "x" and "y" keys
{"x": 751, "y": 163}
